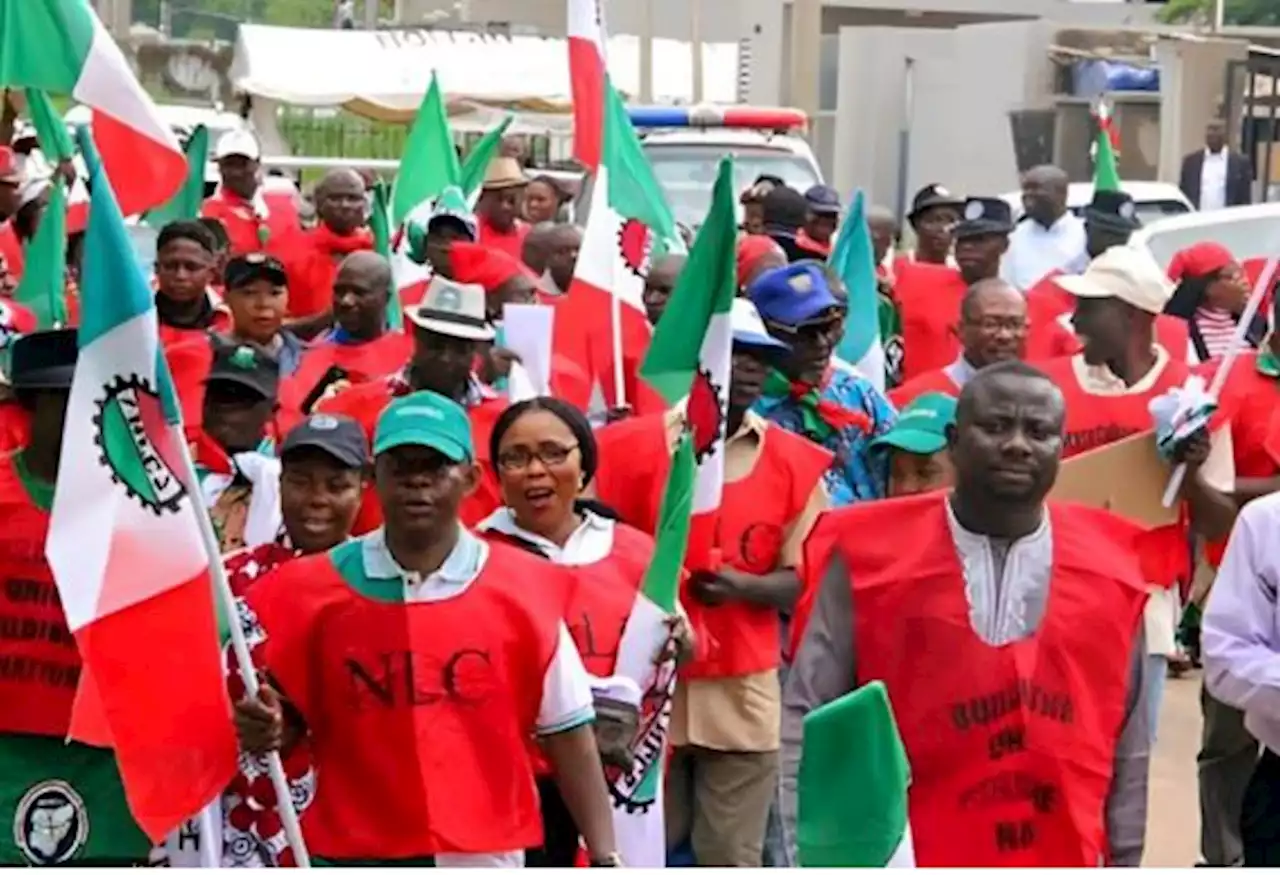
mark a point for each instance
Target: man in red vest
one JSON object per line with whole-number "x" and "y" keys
{"x": 10, "y": 182}
{"x": 252, "y": 216}
{"x": 499, "y": 207}
{"x": 934, "y": 214}
{"x": 186, "y": 306}
{"x": 450, "y": 654}
{"x": 311, "y": 258}
{"x": 449, "y": 334}
{"x": 993, "y": 328}
{"x": 1007, "y": 631}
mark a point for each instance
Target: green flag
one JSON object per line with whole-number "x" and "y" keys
{"x": 480, "y": 157}
{"x": 633, "y": 189}
{"x": 1106, "y": 175}
{"x": 186, "y": 202}
{"x": 430, "y": 162}
{"x": 379, "y": 224}
{"x": 55, "y": 141}
{"x": 43, "y": 287}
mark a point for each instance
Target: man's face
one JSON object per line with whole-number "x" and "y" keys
{"x": 995, "y": 327}
{"x": 236, "y": 416}
{"x": 319, "y": 497}
{"x": 753, "y": 218}
{"x": 1215, "y": 136}
{"x": 658, "y": 286}
{"x": 359, "y": 304}
{"x": 1007, "y": 442}
{"x": 502, "y": 206}
{"x": 1103, "y": 325}
{"x": 340, "y": 202}
{"x": 184, "y": 270}
{"x": 562, "y": 257}
{"x": 750, "y": 368}
{"x": 239, "y": 175}
{"x": 1099, "y": 238}
{"x": 979, "y": 256}
{"x": 812, "y": 345}
{"x": 257, "y": 309}
{"x": 913, "y": 473}
{"x": 442, "y": 363}
{"x": 1044, "y": 200}
{"x": 8, "y": 199}
{"x": 883, "y": 231}
{"x": 935, "y": 230}
{"x": 821, "y": 226}
{"x": 517, "y": 290}
{"x": 48, "y": 420}
{"x": 420, "y": 491}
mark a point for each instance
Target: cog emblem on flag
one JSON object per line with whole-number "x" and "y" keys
{"x": 705, "y": 415}
{"x": 634, "y": 790}
{"x": 137, "y": 446}
{"x": 635, "y": 242}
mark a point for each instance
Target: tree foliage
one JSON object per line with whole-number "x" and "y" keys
{"x": 1255, "y": 13}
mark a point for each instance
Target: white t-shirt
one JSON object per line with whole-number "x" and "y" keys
{"x": 1035, "y": 251}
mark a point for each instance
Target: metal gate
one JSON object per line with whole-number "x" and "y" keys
{"x": 1251, "y": 99}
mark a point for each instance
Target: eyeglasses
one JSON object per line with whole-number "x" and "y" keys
{"x": 520, "y": 458}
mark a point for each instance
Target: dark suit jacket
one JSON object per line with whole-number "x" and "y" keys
{"x": 1239, "y": 178}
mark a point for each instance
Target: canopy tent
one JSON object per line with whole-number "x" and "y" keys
{"x": 383, "y": 74}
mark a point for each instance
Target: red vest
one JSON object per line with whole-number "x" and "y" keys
{"x": 933, "y": 381}
{"x": 11, "y": 250}
{"x": 1097, "y": 420}
{"x": 311, "y": 261}
{"x": 365, "y": 402}
{"x": 244, "y": 229}
{"x": 418, "y": 712}
{"x": 39, "y": 662}
{"x": 928, "y": 297}
{"x": 363, "y": 362}
{"x": 511, "y": 242}
{"x": 1011, "y": 747}
{"x": 15, "y": 426}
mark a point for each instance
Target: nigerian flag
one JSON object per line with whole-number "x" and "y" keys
{"x": 1106, "y": 173}
{"x": 852, "y": 793}
{"x": 853, "y": 259}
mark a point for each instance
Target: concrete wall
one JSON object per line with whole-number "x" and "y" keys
{"x": 965, "y": 83}
{"x": 1192, "y": 82}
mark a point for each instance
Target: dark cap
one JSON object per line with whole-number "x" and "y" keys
{"x": 245, "y": 364}
{"x": 339, "y": 436}
{"x": 933, "y": 195}
{"x": 1113, "y": 211}
{"x": 784, "y": 208}
{"x": 823, "y": 200}
{"x": 985, "y": 215}
{"x": 244, "y": 269}
{"x": 43, "y": 360}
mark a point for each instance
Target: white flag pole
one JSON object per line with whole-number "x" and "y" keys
{"x": 210, "y": 837}
{"x": 1265, "y": 281}
{"x": 615, "y": 330}
{"x": 284, "y": 799}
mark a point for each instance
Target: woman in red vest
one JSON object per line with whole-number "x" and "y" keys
{"x": 419, "y": 702}
{"x": 545, "y": 454}
{"x": 1211, "y": 296}
{"x": 1007, "y": 632}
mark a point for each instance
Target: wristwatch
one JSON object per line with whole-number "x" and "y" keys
{"x": 610, "y": 861}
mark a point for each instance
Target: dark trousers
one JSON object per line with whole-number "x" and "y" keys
{"x": 559, "y": 833}
{"x": 1260, "y": 821}
{"x": 1227, "y": 759}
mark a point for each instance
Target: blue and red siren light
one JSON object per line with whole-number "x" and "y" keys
{"x": 769, "y": 118}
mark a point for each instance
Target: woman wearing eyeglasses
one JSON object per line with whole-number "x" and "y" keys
{"x": 545, "y": 455}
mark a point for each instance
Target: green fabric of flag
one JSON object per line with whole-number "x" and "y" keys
{"x": 633, "y": 190}
{"x": 430, "y": 162}
{"x": 42, "y": 289}
{"x": 187, "y": 201}
{"x": 379, "y": 225}
{"x": 55, "y": 141}
{"x": 1106, "y": 174}
{"x": 481, "y": 156}
{"x": 704, "y": 291}
{"x": 662, "y": 579}
{"x": 852, "y": 791}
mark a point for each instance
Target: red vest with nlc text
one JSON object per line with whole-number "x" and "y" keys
{"x": 1097, "y": 420}
{"x": 419, "y": 712}
{"x": 39, "y": 662}
{"x": 741, "y": 638}
{"x": 1011, "y": 747}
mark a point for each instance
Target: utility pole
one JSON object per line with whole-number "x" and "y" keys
{"x": 695, "y": 45}
{"x": 646, "y": 51}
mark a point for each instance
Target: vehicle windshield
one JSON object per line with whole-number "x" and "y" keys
{"x": 687, "y": 173}
{"x": 1246, "y": 239}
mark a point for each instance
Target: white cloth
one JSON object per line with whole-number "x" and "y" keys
{"x": 1240, "y": 633}
{"x": 590, "y": 542}
{"x": 1035, "y": 250}
{"x": 263, "y": 523}
{"x": 1213, "y": 180}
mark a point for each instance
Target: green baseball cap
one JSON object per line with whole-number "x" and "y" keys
{"x": 425, "y": 419}
{"x": 921, "y": 427}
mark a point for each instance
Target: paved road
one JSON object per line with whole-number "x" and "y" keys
{"x": 1173, "y": 813}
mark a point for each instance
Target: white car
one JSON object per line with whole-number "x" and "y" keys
{"x": 1152, "y": 200}
{"x": 1251, "y": 233}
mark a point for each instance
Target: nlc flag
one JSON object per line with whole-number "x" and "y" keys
{"x": 126, "y": 550}
{"x": 853, "y": 260}
{"x": 61, "y": 46}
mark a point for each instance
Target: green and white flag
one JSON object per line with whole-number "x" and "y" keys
{"x": 43, "y": 287}
{"x": 852, "y": 792}
{"x": 186, "y": 203}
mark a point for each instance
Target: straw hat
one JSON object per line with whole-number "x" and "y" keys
{"x": 503, "y": 173}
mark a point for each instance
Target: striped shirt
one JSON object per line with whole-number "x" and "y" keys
{"x": 1217, "y": 328}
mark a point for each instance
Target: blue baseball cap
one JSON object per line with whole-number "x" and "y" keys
{"x": 749, "y": 330}
{"x": 823, "y": 199}
{"x": 793, "y": 295}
